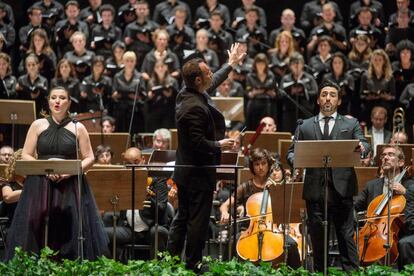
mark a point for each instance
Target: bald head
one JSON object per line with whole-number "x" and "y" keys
{"x": 6, "y": 154}
{"x": 132, "y": 156}
{"x": 270, "y": 125}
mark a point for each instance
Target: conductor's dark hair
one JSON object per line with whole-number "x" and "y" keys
{"x": 192, "y": 70}
{"x": 330, "y": 84}
{"x": 259, "y": 154}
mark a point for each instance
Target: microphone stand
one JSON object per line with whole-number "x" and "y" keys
{"x": 296, "y": 103}
{"x": 299, "y": 122}
{"x": 80, "y": 220}
{"x": 132, "y": 115}
{"x": 101, "y": 108}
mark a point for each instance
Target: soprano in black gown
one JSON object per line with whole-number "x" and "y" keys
{"x": 27, "y": 228}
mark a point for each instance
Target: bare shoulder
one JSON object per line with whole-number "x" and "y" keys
{"x": 78, "y": 127}
{"x": 40, "y": 125}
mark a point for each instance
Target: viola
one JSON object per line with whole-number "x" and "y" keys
{"x": 259, "y": 242}
{"x": 256, "y": 135}
{"x": 373, "y": 236}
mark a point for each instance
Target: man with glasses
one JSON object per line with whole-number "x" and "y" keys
{"x": 392, "y": 163}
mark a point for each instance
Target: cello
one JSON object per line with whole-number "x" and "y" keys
{"x": 373, "y": 236}
{"x": 259, "y": 242}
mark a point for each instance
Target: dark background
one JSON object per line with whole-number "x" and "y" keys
{"x": 273, "y": 8}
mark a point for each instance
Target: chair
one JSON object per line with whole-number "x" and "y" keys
{"x": 127, "y": 248}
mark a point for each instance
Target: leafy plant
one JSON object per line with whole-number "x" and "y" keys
{"x": 24, "y": 263}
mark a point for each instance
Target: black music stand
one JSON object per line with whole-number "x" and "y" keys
{"x": 326, "y": 154}
{"x": 47, "y": 167}
{"x": 17, "y": 112}
{"x": 160, "y": 157}
{"x": 112, "y": 190}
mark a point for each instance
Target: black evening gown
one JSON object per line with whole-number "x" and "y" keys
{"x": 27, "y": 228}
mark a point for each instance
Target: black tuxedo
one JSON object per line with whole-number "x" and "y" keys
{"x": 387, "y": 135}
{"x": 342, "y": 185}
{"x": 199, "y": 126}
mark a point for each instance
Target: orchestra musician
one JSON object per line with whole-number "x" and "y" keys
{"x": 393, "y": 160}
{"x": 260, "y": 165}
{"x": 11, "y": 187}
{"x": 342, "y": 182}
{"x": 200, "y": 128}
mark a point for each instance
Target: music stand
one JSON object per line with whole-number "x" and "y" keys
{"x": 326, "y": 154}
{"x": 17, "y": 112}
{"x": 47, "y": 167}
{"x": 266, "y": 140}
{"x": 116, "y": 141}
{"x": 174, "y": 139}
{"x": 293, "y": 214}
{"x": 231, "y": 107}
{"x": 284, "y": 145}
{"x": 2, "y": 168}
{"x": 112, "y": 190}
{"x": 160, "y": 157}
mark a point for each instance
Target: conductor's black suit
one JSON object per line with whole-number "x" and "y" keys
{"x": 200, "y": 126}
{"x": 342, "y": 185}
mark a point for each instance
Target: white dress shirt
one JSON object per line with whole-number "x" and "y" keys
{"x": 331, "y": 121}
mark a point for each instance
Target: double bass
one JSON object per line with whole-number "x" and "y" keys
{"x": 373, "y": 236}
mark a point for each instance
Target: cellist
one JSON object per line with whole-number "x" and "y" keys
{"x": 392, "y": 163}
{"x": 260, "y": 162}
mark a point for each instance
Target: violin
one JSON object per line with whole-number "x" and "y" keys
{"x": 256, "y": 135}
{"x": 373, "y": 236}
{"x": 259, "y": 242}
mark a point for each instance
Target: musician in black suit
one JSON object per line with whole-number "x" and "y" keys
{"x": 200, "y": 128}
{"x": 342, "y": 182}
{"x": 391, "y": 157}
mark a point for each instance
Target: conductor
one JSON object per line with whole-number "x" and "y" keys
{"x": 342, "y": 182}
{"x": 200, "y": 128}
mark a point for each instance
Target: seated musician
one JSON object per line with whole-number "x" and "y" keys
{"x": 400, "y": 137}
{"x": 270, "y": 124}
{"x": 392, "y": 162}
{"x": 11, "y": 188}
{"x": 144, "y": 220}
{"x": 260, "y": 162}
{"x": 108, "y": 124}
{"x": 103, "y": 155}
{"x": 392, "y": 158}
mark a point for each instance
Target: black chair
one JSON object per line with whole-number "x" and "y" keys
{"x": 128, "y": 248}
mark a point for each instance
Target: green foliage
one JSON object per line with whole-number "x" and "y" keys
{"x": 45, "y": 264}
